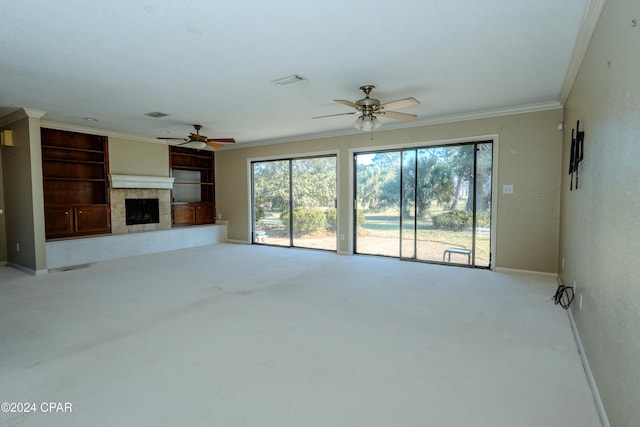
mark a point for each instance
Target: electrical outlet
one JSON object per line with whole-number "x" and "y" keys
{"x": 507, "y": 189}
{"x": 17, "y": 247}
{"x": 342, "y": 237}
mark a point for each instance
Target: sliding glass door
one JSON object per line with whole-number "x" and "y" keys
{"x": 429, "y": 204}
{"x": 304, "y": 186}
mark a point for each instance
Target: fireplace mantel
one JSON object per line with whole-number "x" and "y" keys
{"x": 140, "y": 181}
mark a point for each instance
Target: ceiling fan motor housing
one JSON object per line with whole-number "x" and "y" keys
{"x": 368, "y": 106}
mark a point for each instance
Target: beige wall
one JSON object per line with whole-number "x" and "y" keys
{"x": 529, "y": 157}
{"x": 600, "y": 231}
{"x": 128, "y": 157}
{"x": 3, "y": 228}
{"x": 23, "y": 195}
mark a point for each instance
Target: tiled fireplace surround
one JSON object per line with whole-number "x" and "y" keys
{"x": 118, "y": 219}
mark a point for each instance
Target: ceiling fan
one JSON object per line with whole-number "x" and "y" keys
{"x": 371, "y": 108}
{"x": 200, "y": 141}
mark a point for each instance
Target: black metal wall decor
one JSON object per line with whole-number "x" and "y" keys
{"x": 577, "y": 153}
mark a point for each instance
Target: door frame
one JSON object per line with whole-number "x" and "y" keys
{"x": 493, "y": 138}
{"x": 290, "y": 158}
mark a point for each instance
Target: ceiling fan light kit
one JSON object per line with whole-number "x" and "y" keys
{"x": 367, "y": 123}
{"x": 198, "y": 145}
{"x": 197, "y": 141}
{"x": 371, "y": 109}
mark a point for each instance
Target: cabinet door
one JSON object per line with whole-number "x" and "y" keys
{"x": 205, "y": 213}
{"x": 183, "y": 214}
{"x": 59, "y": 222}
{"x": 93, "y": 219}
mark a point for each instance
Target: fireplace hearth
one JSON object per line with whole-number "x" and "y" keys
{"x": 142, "y": 211}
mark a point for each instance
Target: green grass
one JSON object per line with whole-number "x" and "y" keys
{"x": 387, "y": 224}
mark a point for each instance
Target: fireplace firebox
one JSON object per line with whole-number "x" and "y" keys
{"x": 142, "y": 211}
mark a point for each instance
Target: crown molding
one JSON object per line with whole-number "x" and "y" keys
{"x": 96, "y": 131}
{"x": 476, "y": 115}
{"x": 487, "y": 114}
{"x": 20, "y": 114}
{"x": 587, "y": 27}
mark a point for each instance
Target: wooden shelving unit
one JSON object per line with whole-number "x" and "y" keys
{"x": 193, "y": 199}
{"x": 76, "y": 189}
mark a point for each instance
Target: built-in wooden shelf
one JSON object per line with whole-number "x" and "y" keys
{"x": 75, "y": 180}
{"x": 198, "y": 189}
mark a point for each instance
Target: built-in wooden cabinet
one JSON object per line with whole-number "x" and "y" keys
{"x": 193, "y": 194}
{"x": 75, "y": 181}
{"x": 192, "y": 213}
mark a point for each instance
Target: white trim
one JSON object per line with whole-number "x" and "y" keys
{"x": 475, "y": 115}
{"x": 587, "y": 27}
{"x": 101, "y": 132}
{"x": 587, "y": 370}
{"x": 138, "y": 181}
{"x": 518, "y": 271}
{"x": 22, "y": 113}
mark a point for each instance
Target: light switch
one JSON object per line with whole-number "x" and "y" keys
{"x": 507, "y": 189}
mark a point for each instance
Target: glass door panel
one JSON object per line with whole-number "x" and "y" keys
{"x": 314, "y": 203}
{"x": 408, "y": 203}
{"x": 377, "y": 203}
{"x": 444, "y": 217}
{"x": 271, "y": 190}
{"x": 484, "y": 167}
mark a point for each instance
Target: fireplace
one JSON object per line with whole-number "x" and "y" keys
{"x": 124, "y": 187}
{"x": 142, "y": 211}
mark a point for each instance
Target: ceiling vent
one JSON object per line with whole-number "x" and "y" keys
{"x": 289, "y": 80}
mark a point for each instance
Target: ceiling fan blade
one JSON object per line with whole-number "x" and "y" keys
{"x": 214, "y": 144}
{"x": 400, "y": 103}
{"x": 348, "y": 103}
{"x": 399, "y": 116}
{"x": 333, "y": 115}
{"x": 220, "y": 140}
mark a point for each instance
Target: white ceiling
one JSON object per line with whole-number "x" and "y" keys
{"x": 212, "y": 62}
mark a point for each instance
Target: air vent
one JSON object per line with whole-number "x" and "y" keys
{"x": 156, "y": 114}
{"x": 289, "y": 80}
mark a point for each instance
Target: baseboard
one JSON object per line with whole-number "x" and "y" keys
{"x": 27, "y": 269}
{"x": 517, "y": 271}
{"x": 587, "y": 370}
{"x": 344, "y": 253}
{"x": 241, "y": 242}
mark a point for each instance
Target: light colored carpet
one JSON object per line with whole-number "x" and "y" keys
{"x": 240, "y": 335}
